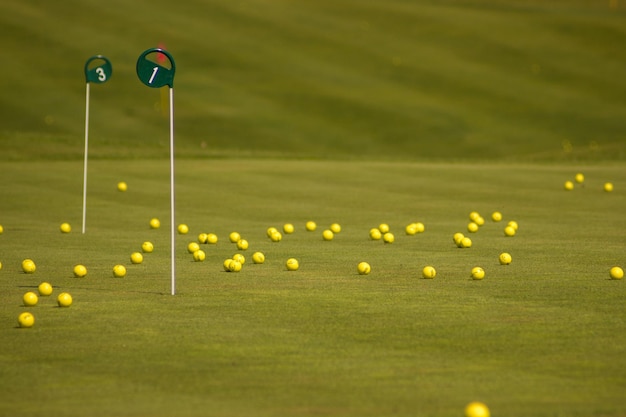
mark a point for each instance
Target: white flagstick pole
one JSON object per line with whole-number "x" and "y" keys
{"x": 173, "y": 217}
{"x": 86, "y": 152}
{"x": 154, "y": 75}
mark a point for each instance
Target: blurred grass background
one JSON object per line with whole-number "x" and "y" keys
{"x": 455, "y": 79}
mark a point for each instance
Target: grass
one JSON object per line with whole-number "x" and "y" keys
{"x": 512, "y": 80}
{"x": 542, "y": 336}
{"x": 357, "y": 112}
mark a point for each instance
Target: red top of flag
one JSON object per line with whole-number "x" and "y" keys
{"x": 161, "y": 58}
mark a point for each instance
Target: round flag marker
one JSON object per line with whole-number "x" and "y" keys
{"x": 98, "y": 69}
{"x": 152, "y": 68}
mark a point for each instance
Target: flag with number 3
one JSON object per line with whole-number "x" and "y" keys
{"x": 98, "y": 69}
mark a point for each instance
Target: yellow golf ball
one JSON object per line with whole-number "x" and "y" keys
{"x": 28, "y": 266}
{"x": 26, "y": 320}
{"x": 192, "y": 247}
{"x": 45, "y": 289}
{"x": 364, "y": 268}
{"x": 476, "y": 409}
{"x": 80, "y": 271}
{"x": 147, "y": 247}
{"x": 328, "y": 234}
{"x": 64, "y": 299}
{"x": 119, "y": 271}
{"x": 258, "y": 257}
{"x": 30, "y": 299}
{"x": 429, "y": 272}
{"x": 617, "y": 272}
{"x": 478, "y": 273}
{"x": 292, "y": 264}
{"x": 505, "y": 258}
{"x": 234, "y": 266}
{"x": 199, "y": 255}
{"x": 375, "y": 234}
{"x": 136, "y": 257}
{"x": 389, "y": 237}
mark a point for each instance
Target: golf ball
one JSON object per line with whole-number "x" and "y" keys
{"x": 234, "y": 237}
{"x": 45, "y": 289}
{"x": 505, "y": 258}
{"x": 616, "y": 272}
{"x": 136, "y": 258}
{"x": 26, "y": 320}
{"x": 388, "y": 237}
{"x": 28, "y": 266}
{"x": 64, "y": 299}
{"x": 147, "y": 247}
{"x": 199, "y": 255}
{"x": 375, "y": 234}
{"x": 364, "y": 268}
{"x": 30, "y": 299}
{"x": 234, "y": 266}
{"x": 429, "y": 272}
{"x": 80, "y": 271}
{"x": 476, "y": 409}
{"x": 119, "y": 271}
{"x": 292, "y": 264}
{"x": 478, "y": 273}
{"x": 335, "y": 228}
{"x": 258, "y": 257}
{"x": 155, "y": 223}
{"x": 192, "y": 247}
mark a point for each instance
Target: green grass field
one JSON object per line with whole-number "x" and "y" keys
{"x": 356, "y": 112}
{"x": 520, "y": 80}
{"x": 543, "y": 336}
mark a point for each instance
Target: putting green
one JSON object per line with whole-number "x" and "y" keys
{"x": 541, "y": 336}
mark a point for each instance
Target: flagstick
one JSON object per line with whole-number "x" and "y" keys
{"x": 86, "y": 152}
{"x": 172, "y": 219}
